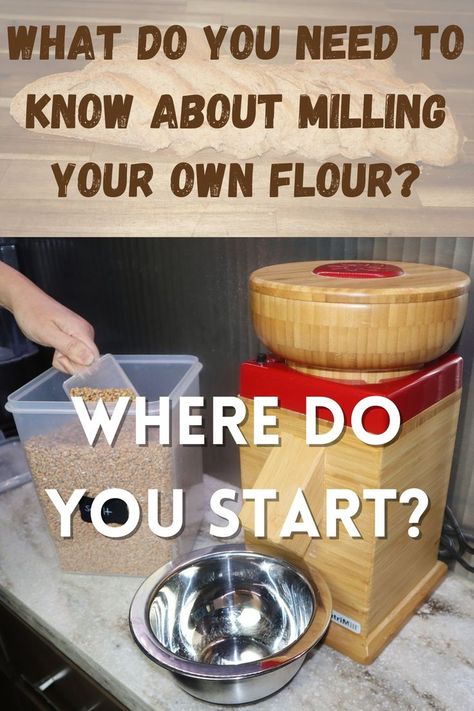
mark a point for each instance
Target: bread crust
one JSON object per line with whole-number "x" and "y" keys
{"x": 148, "y": 80}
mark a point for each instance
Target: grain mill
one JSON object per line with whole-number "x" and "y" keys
{"x": 346, "y": 331}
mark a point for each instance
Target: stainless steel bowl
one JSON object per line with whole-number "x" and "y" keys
{"x": 232, "y": 623}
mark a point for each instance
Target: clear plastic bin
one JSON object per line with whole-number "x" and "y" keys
{"x": 61, "y": 458}
{"x": 13, "y": 465}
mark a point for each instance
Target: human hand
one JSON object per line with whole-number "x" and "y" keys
{"x": 49, "y": 323}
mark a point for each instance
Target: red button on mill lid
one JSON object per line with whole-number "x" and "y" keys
{"x": 359, "y": 270}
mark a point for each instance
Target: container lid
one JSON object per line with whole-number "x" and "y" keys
{"x": 359, "y": 281}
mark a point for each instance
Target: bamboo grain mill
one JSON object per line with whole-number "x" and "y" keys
{"x": 346, "y": 331}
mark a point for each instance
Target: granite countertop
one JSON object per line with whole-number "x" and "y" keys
{"x": 428, "y": 666}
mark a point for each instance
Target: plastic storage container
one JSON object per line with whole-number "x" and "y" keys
{"x": 61, "y": 458}
{"x": 13, "y": 465}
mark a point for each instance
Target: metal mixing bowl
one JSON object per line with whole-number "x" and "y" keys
{"x": 232, "y": 623}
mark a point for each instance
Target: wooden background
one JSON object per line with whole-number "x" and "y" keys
{"x": 442, "y": 199}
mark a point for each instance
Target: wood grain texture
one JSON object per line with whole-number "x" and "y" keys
{"x": 366, "y": 649}
{"x": 352, "y": 376}
{"x": 440, "y": 205}
{"x": 358, "y": 324}
{"x": 291, "y": 466}
{"x": 377, "y": 582}
{"x": 417, "y": 283}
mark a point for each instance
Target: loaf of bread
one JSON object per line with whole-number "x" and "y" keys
{"x": 194, "y": 74}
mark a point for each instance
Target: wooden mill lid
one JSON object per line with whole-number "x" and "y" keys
{"x": 359, "y": 282}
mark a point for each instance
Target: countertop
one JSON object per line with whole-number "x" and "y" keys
{"x": 428, "y": 666}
